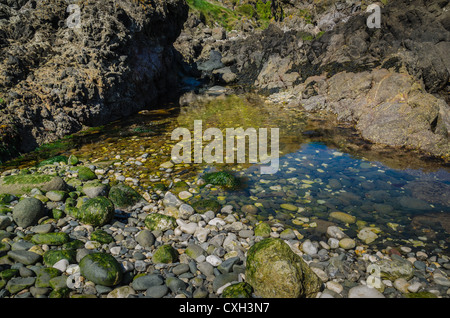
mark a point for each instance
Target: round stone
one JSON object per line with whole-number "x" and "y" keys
{"x": 28, "y": 212}
{"x": 101, "y": 268}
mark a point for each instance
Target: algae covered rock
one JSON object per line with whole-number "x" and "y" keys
{"x": 262, "y": 229}
{"x": 97, "y": 211}
{"x": 239, "y": 290}
{"x": 206, "y": 205}
{"x": 52, "y": 256}
{"x": 124, "y": 196}
{"x": 24, "y": 183}
{"x": 85, "y": 174}
{"x": 28, "y": 212}
{"x": 165, "y": 254}
{"x": 157, "y": 221}
{"x": 52, "y": 160}
{"x": 59, "y": 238}
{"x": 222, "y": 178}
{"x": 102, "y": 237}
{"x": 101, "y": 268}
{"x": 274, "y": 271}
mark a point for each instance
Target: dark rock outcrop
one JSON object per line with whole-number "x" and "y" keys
{"x": 55, "y": 79}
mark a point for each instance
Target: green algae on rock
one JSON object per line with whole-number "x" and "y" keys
{"x": 97, "y": 211}
{"x": 52, "y": 160}
{"x": 158, "y": 221}
{"x": 59, "y": 238}
{"x": 165, "y": 254}
{"x": 239, "y": 290}
{"x": 102, "y": 237}
{"x": 124, "y": 196}
{"x": 101, "y": 268}
{"x": 84, "y": 173}
{"x": 24, "y": 183}
{"x": 263, "y": 230}
{"x": 205, "y": 205}
{"x": 52, "y": 256}
{"x": 274, "y": 271}
{"x": 222, "y": 178}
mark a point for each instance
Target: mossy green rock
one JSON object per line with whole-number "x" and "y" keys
{"x": 52, "y": 160}
{"x": 206, "y": 205}
{"x": 221, "y": 178}
{"x": 85, "y": 174}
{"x": 262, "y": 229}
{"x": 72, "y": 160}
{"x": 58, "y": 214}
{"x": 158, "y": 221}
{"x": 97, "y": 211}
{"x": 6, "y": 198}
{"x": 101, "y": 268}
{"x": 165, "y": 254}
{"x": 23, "y": 184}
{"x": 52, "y": 256}
{"x": 423, "y": 294}
{"x": 45, "y": 275}
{"x": 239, "y": 290}
{"x": 124, "y": 196}
{"x": 102, "y": 237}
{"x": 274, "y": 271}
{"x": 59, "y": 238}
{"x": 179, "y": 186}
{"x": 59, "y": 293}
{"x": 28, "y": 212}
{"x": 17, "y": 284}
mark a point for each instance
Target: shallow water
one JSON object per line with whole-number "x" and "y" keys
{"x": 324, "y": 167}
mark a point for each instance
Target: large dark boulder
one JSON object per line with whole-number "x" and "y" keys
{"x": 55, "y": 79}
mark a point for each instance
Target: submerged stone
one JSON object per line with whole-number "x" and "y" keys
{"x": 222, "y": 178}
{"x": 205, "y": 205}
{"x": 343, "y": 217}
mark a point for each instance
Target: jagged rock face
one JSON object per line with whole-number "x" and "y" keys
{"x": 406, "y": 106}
{"x": 54, "y": 79}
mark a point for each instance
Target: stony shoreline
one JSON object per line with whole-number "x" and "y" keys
{"x": 163, "y": 247}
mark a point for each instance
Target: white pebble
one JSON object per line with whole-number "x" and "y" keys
{"x": 213, "y": 260}
{"x": 335, "y": 286}
{"x": 72, "y": 269}
{"x": 61, "y": 265}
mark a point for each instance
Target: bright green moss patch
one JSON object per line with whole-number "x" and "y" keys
{"x": 59, "y": 238}
{"x": 52, "y": 160}
{"x": 52, "y": 256}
